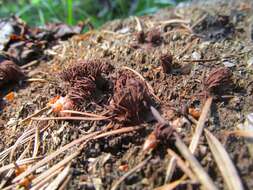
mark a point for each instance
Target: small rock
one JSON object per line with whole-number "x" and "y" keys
{"x": 196, "y": 55}
{"x": 123, "y": 30}
{"x": 12, "y": 122}
{"x": 250, "y": 62}
{"x": 228, "y": 63}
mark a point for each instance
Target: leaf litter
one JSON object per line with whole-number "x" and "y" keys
{"x": 144, "y": 97}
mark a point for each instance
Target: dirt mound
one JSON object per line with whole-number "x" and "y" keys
{"x": 117, "y": 108}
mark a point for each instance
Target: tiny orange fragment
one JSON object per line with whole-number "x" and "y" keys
{"x": 10, "y": 97}
{"x": 20, "y": 169}
{"x": 123, "y": 167}
{"x": 194, "y": 113}
{"x": 53, "y": 100}
{"x": 150, "y": 143}
{"x": 26, "y": 181}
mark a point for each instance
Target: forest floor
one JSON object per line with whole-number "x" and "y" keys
{"x": 144, "y": 89}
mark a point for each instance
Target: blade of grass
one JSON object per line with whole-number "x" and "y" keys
{"x": 70, "y": 12}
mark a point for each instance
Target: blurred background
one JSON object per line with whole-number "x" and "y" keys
{"x": 39, "y": 12}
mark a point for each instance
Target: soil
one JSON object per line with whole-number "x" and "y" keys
{"x": 217, "y": 35}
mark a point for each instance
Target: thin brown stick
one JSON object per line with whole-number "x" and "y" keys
{"x": 36, "y": 142}
{"x": 53, "y": 155}
{"x": 70, "y": 118}
{"x": 139, "y": 27}
{"x": 86, "y": 138}
{"x": 32, "y": 63}
{"x": 200, "y": 125}
{"x": 83, "y": 113}
{"x": 57, "y": 166}
{"x": 19, "y": 163}
{"x": 46, "y": 179}
{"x": 170, "y": 169}
{"x": 11, "y": 171}
{"x": 65, "y": 182}
{"x": 59, "y": 179}
{"x": 188, "y": 46}
{"x": 36, "y": 80}
{"x": 175, "y": 21}
{"x": 170, "y": 186}
{"x": 157, "y": 115}
{"x": 10, "y": 187}
{"x": 35, "y": 114}
{"x": 152, "y": 92}
{"x": 195, "y": 139}
{"x": 201, "y": 174}
{"x": 200, "y": 60}
{"x": 241, "y": 133}
{"x": 5, "y": 153}
{"x": 183, "y": 165}
{"x": 199, "y": 20}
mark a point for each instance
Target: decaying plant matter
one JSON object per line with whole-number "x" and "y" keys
{"x": 162, "y": 133}
{"x": 217, "y": 80}
{"x": 88, "y": 68}
{"x": 154, "y": 37}
{"x": 130, "y": 99}
{"x": 84, "y": 78}
{"x": 81, "y": 89}
{"x": 140, "y": 37}
{"x": 10, "y": 72}
{"x": 166, "y": 62}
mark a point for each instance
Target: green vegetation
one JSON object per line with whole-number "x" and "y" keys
{"x": 39, "y": 12}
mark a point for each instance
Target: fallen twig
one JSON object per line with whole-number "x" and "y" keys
{"x": 195, "y": 139}
{"x": 203, "y": 177}
{"x": 82, "y": 113}
{"x": 241, "y": 133}
{"x": 46, "y": 179}
{"x": 200, "y": 60}
{"x": 70, "y": 118}
{"x": 183, "y": 165}
{"x": 19, "y": 163}
{"x": 35, "y": 114}
{"x": 152, "y": 92}
{"x": 59, "y": 179}
{"x": 36, "y": 80}
{"x": 200, "y": 125}
{"x": 36, "y": 142}
{"x": 86, "y": 138}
